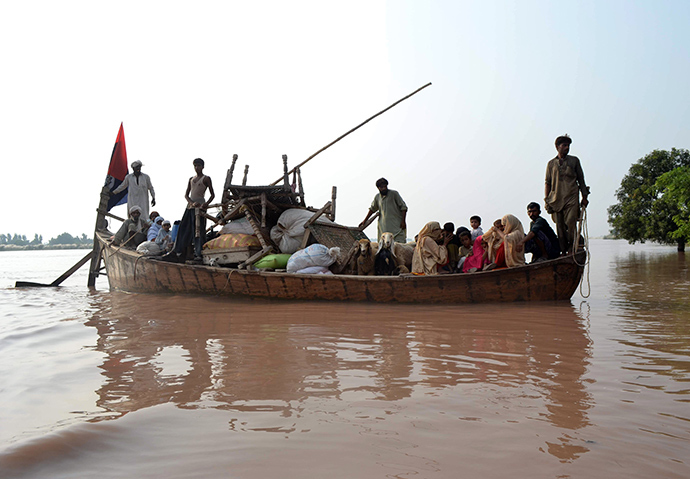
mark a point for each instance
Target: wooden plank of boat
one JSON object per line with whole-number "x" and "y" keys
{"x": 546, "y": 281}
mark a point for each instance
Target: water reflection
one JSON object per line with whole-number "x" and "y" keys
{"x": 650, "y": 295}
{"x": 278, "y": 365}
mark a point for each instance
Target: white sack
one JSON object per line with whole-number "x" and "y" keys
{"x": 289, "y": 231}
{"x": 314, "y": 270}
{"x": 314, "y": 255}
{"x": 149, "y": 248}
{"x": 240, "y": 226}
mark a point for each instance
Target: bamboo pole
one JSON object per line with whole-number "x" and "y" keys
{"x": 352, "y": 130}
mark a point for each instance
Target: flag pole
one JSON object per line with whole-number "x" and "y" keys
{"x": 119, "y": 156}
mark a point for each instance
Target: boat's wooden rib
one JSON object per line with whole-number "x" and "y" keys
{"x": 549, "y": 280}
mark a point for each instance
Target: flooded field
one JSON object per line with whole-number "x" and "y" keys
{"x": 124, "y": 385}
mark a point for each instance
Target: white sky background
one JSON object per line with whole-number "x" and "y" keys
{"x": 209, "y": 79}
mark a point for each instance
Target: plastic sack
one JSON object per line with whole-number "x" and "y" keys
{"x": 273, "y": 261}
{"x": 235, "y": 240}
{"x": 314, "y": 270}
{"x": 175, "y": 229}
{"x": 289, "y": 230}
{"x": 237, "y": 226}
{"x": 149, "y": 248}
{"x": 314, "y": 255}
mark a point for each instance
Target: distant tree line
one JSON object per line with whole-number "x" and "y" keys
{"x": 62, "y": 239}
{"x": 653, "y": 200}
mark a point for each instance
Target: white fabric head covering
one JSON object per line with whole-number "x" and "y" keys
{"x": 134, "y": 208}
{"x": 158, "y": 218}
{"x": 166, "y": 222}
{"x": 136, "y": 163}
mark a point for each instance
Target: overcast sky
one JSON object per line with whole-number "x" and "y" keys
{"x": 262, "y": 79}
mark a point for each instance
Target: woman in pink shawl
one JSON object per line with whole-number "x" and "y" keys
{"x": 476, "y": 260}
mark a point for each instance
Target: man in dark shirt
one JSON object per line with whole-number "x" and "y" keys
{"x": 541, "y": 241}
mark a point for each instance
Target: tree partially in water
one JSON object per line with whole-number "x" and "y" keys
{"x": 675, "y": 187}
{"x": 645, "y": 212}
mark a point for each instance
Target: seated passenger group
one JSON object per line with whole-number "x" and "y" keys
{"x": 441, "y": 250}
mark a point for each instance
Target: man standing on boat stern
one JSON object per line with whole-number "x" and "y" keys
{"x": 565, "y": 181}
{"x": 392, "y": 212}
{"x": 186, "y": 234}
{"x": 139, "y": 185}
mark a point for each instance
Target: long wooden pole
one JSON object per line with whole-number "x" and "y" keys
{"x": 355, "y": 128}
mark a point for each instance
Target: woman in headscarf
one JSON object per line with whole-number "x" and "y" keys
{"x": 507, "y": 254}
{"x": 493, "y": 239}
{"x": 155, "y": 229}
{"x": 428, "y": 253}
{"x": 513, "y": 235}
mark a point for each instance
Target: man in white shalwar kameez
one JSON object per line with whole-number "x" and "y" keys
{"x": 139, "y": 185}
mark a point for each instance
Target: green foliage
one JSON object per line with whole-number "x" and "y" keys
{"x": 66, "y": 238}
{"x": 63, "y": 239}
{"x": 15, "y": 239}
{"x": 644, "y": 212}
{"x": 675, "y": 188}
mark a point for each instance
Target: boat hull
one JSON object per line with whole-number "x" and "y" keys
{"x": 546, "y": 281}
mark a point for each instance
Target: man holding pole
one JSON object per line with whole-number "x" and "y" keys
{"x": 392, "y": 212}
{"x": 133, "y": 231}
{"x": 565, "y": 180}
{"x": 192, "y": 228}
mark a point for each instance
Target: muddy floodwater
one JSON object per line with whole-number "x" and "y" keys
{"x": 116, "y": 385}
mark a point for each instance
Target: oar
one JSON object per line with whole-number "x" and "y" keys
{"x": 65, "y": 275}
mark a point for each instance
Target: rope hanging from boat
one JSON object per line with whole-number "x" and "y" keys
{"x": 585, "y": 234}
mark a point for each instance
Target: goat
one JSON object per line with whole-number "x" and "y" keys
{"x": 365, "y": 258}
{"x": 385, "y": 264}
{"x": 396, "y": 258}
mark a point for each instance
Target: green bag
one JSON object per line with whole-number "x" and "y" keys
{"x": 273, "y": 261}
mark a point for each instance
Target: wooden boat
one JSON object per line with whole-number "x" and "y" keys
{"x": 130, "y": 271}
{"x": 550, "y": 280}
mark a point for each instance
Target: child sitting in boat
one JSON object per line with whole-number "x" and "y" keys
{"x": 164, "y": 237}
{"x": 465, "y": 250}
{"x": 475, "y": 223}
{"x": 453, "y": 249}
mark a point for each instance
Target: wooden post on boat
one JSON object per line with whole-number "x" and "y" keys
{"x": 228, "y": 177}
{"x": 263, "y": 210}
{"x": 334, "y": 191}
{"x": 95, "y": 266}
{"x": 246, "y": 171}
{"x": 286, "y": 176}
{"x": 300, "y": 188}
{"x": 197, "y": 227}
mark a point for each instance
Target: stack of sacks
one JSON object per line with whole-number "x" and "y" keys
{"x": 314, "y": 259}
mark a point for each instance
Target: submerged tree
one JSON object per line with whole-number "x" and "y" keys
{"x": 644, "y": 212}
{"x": 675, "y": 187}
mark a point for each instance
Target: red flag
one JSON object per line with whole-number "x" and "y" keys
{"x": 117, "y": 170}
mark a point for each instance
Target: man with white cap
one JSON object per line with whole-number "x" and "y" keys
{"x": 133, "y": 230}
{"x": 139, "y": 185}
